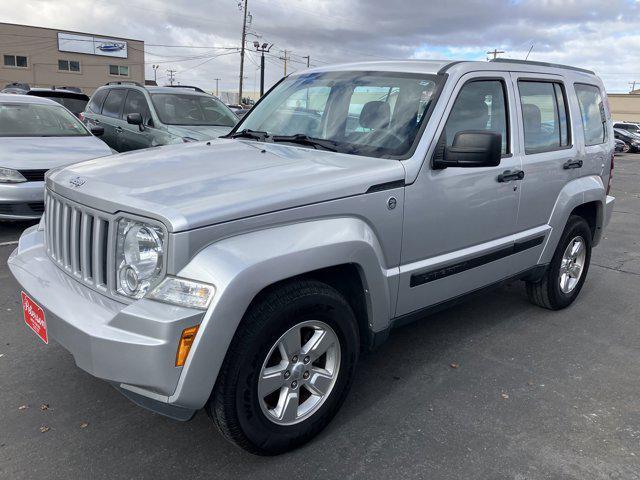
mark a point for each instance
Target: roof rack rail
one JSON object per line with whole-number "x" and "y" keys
{"x": 125, "y": 82}
{"x": 18, "y": 85}
{"x": 542, "y": 64}
{"x": 197, "y": 89}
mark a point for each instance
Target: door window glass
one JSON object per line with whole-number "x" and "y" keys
{"x": 480, "y": 105}
{"x": 544, "y": 116}
{"x": 136, "y": 103}
{"x": 592, "y": 113}
{"x": 113, "y": 104}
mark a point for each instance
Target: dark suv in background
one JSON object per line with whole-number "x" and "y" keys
{"x": 70, "y": 97}
{"x": 134, "y": 116}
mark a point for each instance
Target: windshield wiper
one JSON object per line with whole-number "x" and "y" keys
{"x": 303, "y": 139}
{"x": 248, "y": 133}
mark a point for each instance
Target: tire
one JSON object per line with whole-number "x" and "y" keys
{"x": 626, "y": 148}
{"x": 304, "y": 306}
{"x": 550, "y": 292}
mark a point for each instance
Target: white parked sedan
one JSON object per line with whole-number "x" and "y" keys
{"x": 37, "y": 134}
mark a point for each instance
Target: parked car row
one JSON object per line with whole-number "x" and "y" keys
{"x": 38, "y": 131}
{"x": 627, "y": 137}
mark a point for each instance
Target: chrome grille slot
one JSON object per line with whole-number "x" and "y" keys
{"x": 77, "y": 240}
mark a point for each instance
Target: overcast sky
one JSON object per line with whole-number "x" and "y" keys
{"x": 602, "y": 35}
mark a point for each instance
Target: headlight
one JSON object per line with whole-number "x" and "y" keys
{"x": 139, "y": 257}
{"x": 8, "y": 175}
{"x": 180, "y": 291}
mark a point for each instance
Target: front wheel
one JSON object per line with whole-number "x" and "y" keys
{"x": 568, "y": 269}
{"x": 288, "y": 369}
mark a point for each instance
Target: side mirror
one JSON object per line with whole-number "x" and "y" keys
{"x": 472, "y": 148}
{"x": 135, "y": 119}
{"x": 96, "y": 130}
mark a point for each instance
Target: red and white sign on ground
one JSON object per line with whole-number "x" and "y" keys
{"x": 34, "y": 317}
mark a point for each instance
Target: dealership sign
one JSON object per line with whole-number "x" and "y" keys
{"x": 87, "y": 44}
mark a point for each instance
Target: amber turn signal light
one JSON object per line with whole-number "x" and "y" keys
{"x": 186, "y": 340}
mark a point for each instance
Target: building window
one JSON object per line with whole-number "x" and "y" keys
{"x": 119, "y": 70}
{"x": 18, "y": 61}
{"x": 68, "y": 65}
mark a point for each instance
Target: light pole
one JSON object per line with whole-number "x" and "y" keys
{"x": 155, "y": 73}
{"x": 265, "y": 47}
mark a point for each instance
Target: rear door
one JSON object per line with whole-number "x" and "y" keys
{"x": 111, "y": 116}
{"x": 550, "y": 156}
{"x": 134, "y": 137}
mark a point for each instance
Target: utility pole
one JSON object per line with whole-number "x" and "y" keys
{"x": 217, "y": 80}
{"x": 308, "y": 57}
{"x": 244, "y": 36}
{"x": 633, "y": 85}
{"x": 285, "y": 58}
{"x": 264, "y": 48}
{"x": 495, "y": 53}
{"x": 172, "y": 74}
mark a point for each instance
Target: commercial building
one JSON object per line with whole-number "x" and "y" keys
{"x": 45, "y": 57}
{"x": 625, "y": 106}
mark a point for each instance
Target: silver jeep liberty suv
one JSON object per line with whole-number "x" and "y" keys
{"x": 245, "y": 274}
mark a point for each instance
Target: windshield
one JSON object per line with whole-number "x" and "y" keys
{"x": 185, "y": 109}
{"x": 34, "y": 120}
{"x": 362, "y": 113}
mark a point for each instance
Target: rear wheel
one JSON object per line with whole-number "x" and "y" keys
{"x": 288, "y": 369}
{"x": 568, "y": 269}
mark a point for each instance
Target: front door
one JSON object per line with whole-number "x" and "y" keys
{"x": 459, "y": 222}
{"x": 135, "y": 137}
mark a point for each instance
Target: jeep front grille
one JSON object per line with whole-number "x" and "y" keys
{"x": 78, "y": 241}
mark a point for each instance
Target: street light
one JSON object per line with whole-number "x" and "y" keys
{"x": 265, "y": 47}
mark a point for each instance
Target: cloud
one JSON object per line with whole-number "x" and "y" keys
{"x": 596, "y": 34}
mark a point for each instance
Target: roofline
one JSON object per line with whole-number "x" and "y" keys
{"x": 62, "y": 30}
{"x": 519, "y": 62}
{"x": 542, "y": 64}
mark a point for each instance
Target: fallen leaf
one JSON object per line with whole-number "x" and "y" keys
{"x": 530, "y": 383}
{"x": 84, "y": 425}
{"x": 44, "y": 429}
{"x": 504, "y": 396}
{"x": 44, "y": 406}
{"x": 23, "y": 407}
{"x": 455, "y": 365}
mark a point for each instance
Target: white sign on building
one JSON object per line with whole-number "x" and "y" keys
{"x": 87, "y": 44}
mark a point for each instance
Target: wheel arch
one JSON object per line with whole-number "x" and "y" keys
{"x": 343, "y": 252}
{"x": 583, "y": 196}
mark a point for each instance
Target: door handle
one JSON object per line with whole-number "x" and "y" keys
{"x": 119, "y": 129}
{"x": 96, "y": 121}
{"x": 509, "y": 175}
{"x": 572, "y": 164}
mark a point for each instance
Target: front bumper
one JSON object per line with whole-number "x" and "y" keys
{"x": 132, "y": 345}
{"x": 21, "y": 201}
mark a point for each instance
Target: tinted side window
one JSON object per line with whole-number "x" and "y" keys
{"x": 481, "y": 105}
{"x": 113, "y": 104}
{"x": 136, "y": 103}
{"x": 544, "y": 116}
{"x": 593, "y": 114}
{"x": 95, "y": 104}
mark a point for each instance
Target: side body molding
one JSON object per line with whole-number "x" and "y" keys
{"x": 241, "y": 266}
{"x": 575, "y": 193}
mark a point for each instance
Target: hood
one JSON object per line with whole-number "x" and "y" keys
{"x": 197, "y": 184}
{"x": 43, "y": 153}
{"x": 199, "y": 132}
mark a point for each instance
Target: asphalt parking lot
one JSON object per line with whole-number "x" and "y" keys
{"x": 534, "y": 394}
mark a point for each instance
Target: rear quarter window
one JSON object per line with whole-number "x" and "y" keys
{"x": 592, "y": 113}
{"x": 95, "y": 104}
